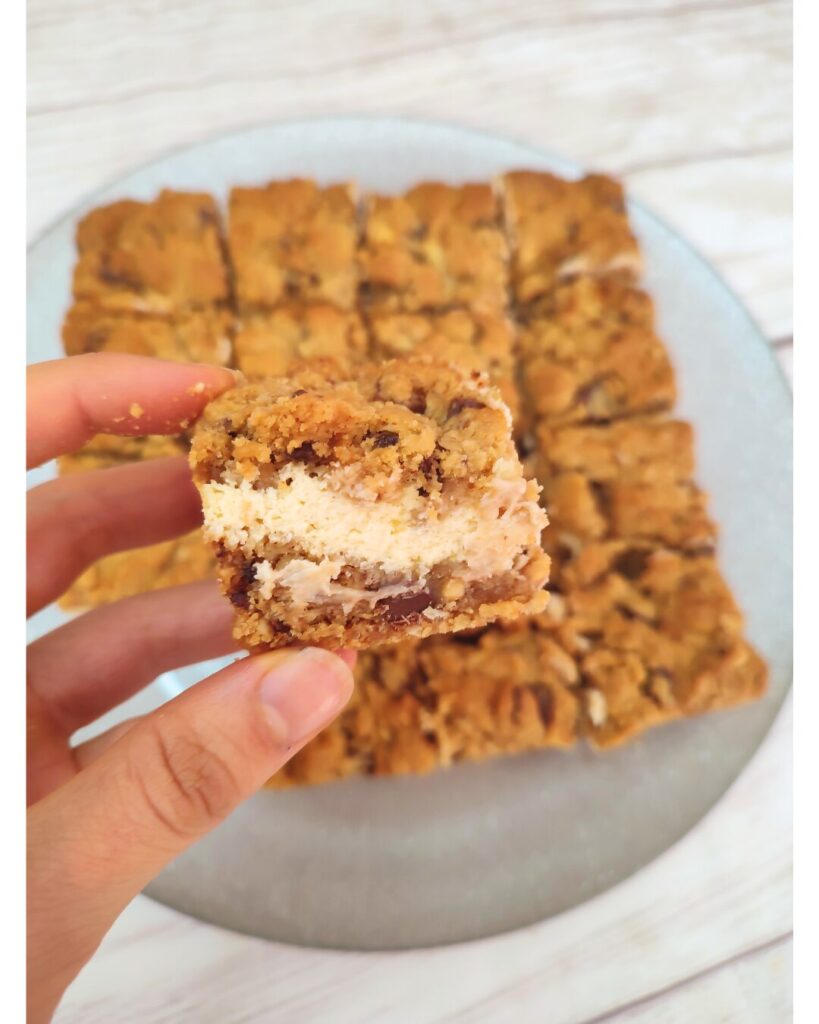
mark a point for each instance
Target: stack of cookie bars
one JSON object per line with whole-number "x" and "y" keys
{"x": 532, "y": 279}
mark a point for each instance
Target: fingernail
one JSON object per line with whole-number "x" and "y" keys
{"x": 303, "y": 692}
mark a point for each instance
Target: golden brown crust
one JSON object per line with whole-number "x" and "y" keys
{"x": 625, "y": 480}
{"x": 292, "y": 241}
{"x": 589, "y": 353}
{"x": 275, "y": 343}
{"x": 423, "y": 706}
{"x": 200, "y": 336}
{"x": 656, "y": 634}
{"x": 159, "y": 257}
{"x": 561, "y": 229}
{"x": 435, "y": 247}
{"x": 470, "y": 341}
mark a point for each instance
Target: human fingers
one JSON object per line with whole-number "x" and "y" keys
{"x": 96, "y": 841}
{"x": 100, "y": 659}
{"x": 73, "y": 521}
{"x": 70, "y": 400}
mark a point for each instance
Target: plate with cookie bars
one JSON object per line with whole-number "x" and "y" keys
{"x": 486, "y": 778}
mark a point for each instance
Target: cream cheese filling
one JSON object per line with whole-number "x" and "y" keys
{"x": 403, "y": 537}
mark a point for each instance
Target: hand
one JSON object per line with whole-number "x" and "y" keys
{"x": 106, "y": 816}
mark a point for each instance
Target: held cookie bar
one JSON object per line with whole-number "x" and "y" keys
{"x": 160, "y": 257}
{"x": 471, "y": 341}
{"x": 200, "y": 336}
{"x": 422, "y": 706}
{"x": 274, "y": 343}
{"x": 562, "y": 229}
{"x": 292, "y": 241}
{"x": 624, "y": 480}
{"x": 436, "y": 247}
{"x": 656, "y": 634}
{"x": 588, "y": 352}
{"x": 359, "y": 513}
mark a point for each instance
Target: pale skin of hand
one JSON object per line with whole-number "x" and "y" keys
{"x": 106, "y": 816}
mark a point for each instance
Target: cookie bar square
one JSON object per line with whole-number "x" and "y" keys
{"x": 657, "y": 635}
{"x": 200, "y": 336}
{"x": 362, "y": 512}
{"x": 171, "y": 563}
{"x": 164, "y": 256}
{"x": 588, "y": 352}
{"x": 435, "y": 247}
{"x": 293, "y": 241}
{"x": 274, "y": 343}
{"x": 423, "y": 706}
{"x": 625, "y": 480}
{"x": 562, "y": 229}
{"x": 470, "y": 341}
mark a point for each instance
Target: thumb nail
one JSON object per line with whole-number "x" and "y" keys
{"x": 303, "y": 692}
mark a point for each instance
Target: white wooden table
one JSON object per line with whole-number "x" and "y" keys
{"x": 690, "y": 103}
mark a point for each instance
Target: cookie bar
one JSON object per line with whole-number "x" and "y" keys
{"x": 656, "y": 635}
{"x": 435, "y": 247}
{"x": 200, "y": 336}
{"x": 419, "y": 707}
{"x": 471, "y": 341}
{"x": 588, "y": 352}
{"x": 106, "y": 450}
{"x": 165, "y": 256}
{"x": 562, "y": 229}
{"x": 183, "y": 560}
{"x": 274, "y": 343}
{"x": 293, "y": 241}
{"x": 625, "y": 480}
{"x": 359, "y": 513}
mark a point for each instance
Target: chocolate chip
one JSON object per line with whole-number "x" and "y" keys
{"x": 632, "y": 563}
{"x": 406, "y": 606}
{"x": 459, "y": 404}
{"x": 385, "y": 439}
{"x": 418, "y": 400}
{"x": 371, "y": 291}
{"x": 300, "y": 391}
{"x": 423, "y": 492}
{"x": 116, "y": 277}
{"x": 545, "y": 703}
{"x": 304, "y": 453}
{"x": 241, "y": 584}
{"x": 630, "y": 613}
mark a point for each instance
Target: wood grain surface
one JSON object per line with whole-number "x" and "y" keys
{"x": 690, "y": 101}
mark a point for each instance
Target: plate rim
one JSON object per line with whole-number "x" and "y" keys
{"x": 69, "y": 217}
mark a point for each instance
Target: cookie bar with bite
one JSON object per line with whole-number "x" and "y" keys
{"x": 361, "y": 512}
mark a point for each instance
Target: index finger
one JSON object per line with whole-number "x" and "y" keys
{"x": 70, "y": 400}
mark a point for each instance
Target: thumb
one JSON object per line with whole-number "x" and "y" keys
{"x": 95, "y": 842}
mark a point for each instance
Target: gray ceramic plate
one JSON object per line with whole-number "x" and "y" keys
{"x": 480, "y": 849}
